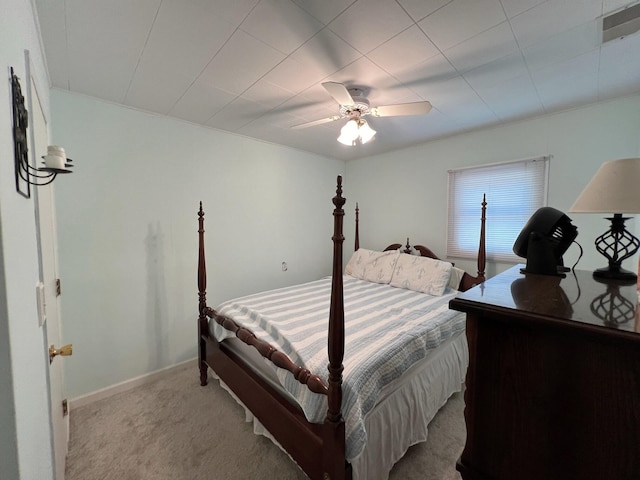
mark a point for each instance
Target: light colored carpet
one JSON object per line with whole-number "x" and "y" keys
{"x": 174, "y": 429}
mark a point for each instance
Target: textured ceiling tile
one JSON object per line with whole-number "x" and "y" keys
{"x": 267, "y": 93}
{"x": 369, "y": 23}
{"x": 324, "y": 11}
{"x": 295, "y": 75}
{"x": 200, "y": 102}
{"x": 327, "y": 52}
{"x": 568, "y": 84}
{"x": 418, "y": 9}
{"x": 435, "y": 69}
{"x": 497, "y": 72}
{"x": 564, "y": 46}
{"x": 512, "y": 99}
{"x": 516, "y": 7}
{"x": 403, "y": 51}
{"x": 295, "y": 26}
{"x": 240, "y": 63}
{"x": 553, "y": 17}
{"x": 484, "y": 48}
{"x": 189, "y": 34}
{"x": 236, "y": 114}
{"x": 102, "y": 60}
{"x": 460, "y": 20}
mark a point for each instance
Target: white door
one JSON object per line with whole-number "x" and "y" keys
{"x": 50, "y": 315}
{"x": 59, "y": 417}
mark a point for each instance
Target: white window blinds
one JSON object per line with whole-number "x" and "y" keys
{"x": 515, "y": 190}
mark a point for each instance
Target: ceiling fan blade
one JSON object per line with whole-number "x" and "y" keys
{"x": 416, "y": 108}
{"x": 317, "y": 122}
{"x": 339, "y": 92}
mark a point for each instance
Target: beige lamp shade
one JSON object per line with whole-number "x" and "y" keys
{"x": 615, "y": 188}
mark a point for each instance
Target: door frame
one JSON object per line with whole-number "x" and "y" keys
{"x": 48, "y": 314}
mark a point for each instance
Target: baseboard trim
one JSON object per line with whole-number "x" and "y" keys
{"x": 128, "y": 384}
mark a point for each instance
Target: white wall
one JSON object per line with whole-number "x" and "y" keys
{"x": 127, "y": 216}
{"x": 127, "y": 229}
{"x": 25, "y": 433}
{"x": 404, "y": 193}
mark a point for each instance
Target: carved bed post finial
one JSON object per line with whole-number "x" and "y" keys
{"x": 202, "y": 299}
{"x": 407, "y": 248}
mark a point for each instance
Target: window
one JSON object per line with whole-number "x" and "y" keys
{"x": 515, "y": 190}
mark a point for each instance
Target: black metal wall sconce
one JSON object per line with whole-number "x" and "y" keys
{"x": 55, "y": 161}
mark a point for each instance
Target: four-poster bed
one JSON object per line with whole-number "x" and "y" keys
{"x": 329, "y": 423}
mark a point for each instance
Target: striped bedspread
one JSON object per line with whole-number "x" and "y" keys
{"x": 387, "y": 330}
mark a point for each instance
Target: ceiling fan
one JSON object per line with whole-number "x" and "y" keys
{"x": 354, "y": 106}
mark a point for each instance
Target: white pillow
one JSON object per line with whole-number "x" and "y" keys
{"x": 372, "y": 266}
{"x": 421, "y": 274}
{"x": 456, "y": 278}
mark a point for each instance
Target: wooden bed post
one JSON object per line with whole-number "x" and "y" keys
{"x": 333, "y": 453}
{"x": 481, "y": 247}
{"x": 202, "y": 300}
{"x": 356, "y": 246}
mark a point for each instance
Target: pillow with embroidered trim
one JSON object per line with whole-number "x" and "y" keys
{"x": 372, "y": 266}
{"x": 421, "y": 274}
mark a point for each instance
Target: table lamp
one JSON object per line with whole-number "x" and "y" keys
{"x": 615, "y": 188}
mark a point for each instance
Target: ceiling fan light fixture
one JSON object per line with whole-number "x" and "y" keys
{"x": 349, "y": 133}
{"x": 356, "y": 129}
{"x": 366, "y": 132}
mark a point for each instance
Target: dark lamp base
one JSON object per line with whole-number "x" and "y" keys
{"x": 619, "y": 274}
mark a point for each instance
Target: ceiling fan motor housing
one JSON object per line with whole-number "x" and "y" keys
{"x": 360, "y": 106}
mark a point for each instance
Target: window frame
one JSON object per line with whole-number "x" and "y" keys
{"x": 457, "y": 233}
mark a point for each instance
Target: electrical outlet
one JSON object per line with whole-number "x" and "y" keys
{"x": 284, "y": 266}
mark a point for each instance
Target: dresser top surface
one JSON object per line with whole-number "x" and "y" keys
{"x": 577, "y": 297}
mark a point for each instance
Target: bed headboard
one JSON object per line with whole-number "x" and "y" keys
{"x": 467, "y": 280}
{"x": 422, "y": 250}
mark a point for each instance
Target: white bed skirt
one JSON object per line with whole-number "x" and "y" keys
{"x": 402, "y": 416}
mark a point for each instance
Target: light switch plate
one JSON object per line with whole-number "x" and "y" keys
{"x": 42, "y": 313}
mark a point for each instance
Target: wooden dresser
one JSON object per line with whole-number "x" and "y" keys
{"x": 553, "y": 385}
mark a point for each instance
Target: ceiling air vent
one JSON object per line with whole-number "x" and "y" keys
{"x": 620, "y": 24}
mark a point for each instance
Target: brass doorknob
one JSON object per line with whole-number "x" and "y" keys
{"x": 64, "y": 351}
